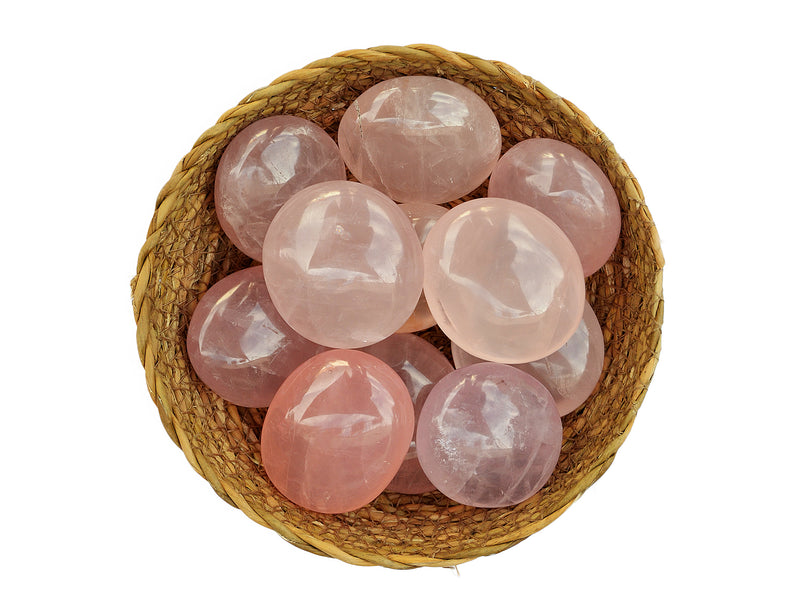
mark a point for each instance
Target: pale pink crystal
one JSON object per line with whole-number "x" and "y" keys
{"x": 420, "y": 139}
{"x": 239, "y": 345}
{"x": 568, "y": 186}
{"x": 489, "y": 435}
{"x": 420, "y": 365}
{"x": 262, "y": 167}
{"x": 570, "y": 373}
{"x": 337, "y": 431}
{"x": 422, "y": 217}
{"x": 343, "y": 264}
{"x": 503, "y": 281}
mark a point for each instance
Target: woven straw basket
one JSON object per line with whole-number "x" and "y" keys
{"x": 185, "y": 252}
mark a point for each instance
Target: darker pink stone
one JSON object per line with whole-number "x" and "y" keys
{"x": 337, "y": 431}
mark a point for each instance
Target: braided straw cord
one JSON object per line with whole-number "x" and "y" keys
{"x": 185, "y": 252}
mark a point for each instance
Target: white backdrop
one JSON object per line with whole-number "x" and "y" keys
{"x": 101, "y": 100}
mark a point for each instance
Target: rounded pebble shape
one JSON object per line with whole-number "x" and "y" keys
{"x": 420, "y": 365}
{"x": 571, "y": 373}
{"x": 262, "y": 167}
{"x": 343, "y": 264}
{"x": 503, "y": 281}
{"x": 420, "y": 139}
{"x": 337, "y": 431}
{"x": 568, "y": 186}
{"x": 489, "y": 435}
{"x": 239, "y": 345}
{"x": 422, "y": 217}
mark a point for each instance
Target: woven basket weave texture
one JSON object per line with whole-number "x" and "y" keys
{"x": 185, "y": 252}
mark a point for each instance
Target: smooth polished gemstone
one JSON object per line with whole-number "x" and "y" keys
{"x": 489, "y": 435}
{"x": 337, "y": 431}
{"x": 420, "y": 139}
{"x": 239, "y": 345}
{"x": 570, "y": 373}
{"x": 503, "y": 281}
{"x": 343, "y": 264}
{"x": 422, "y": 217}
{"x": 420, "y": 365}
{"x": 262, "y": 167}
{"x": 568, "y": 186}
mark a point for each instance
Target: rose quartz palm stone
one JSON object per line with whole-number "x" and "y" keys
{"x": 502, "y": 280}
{"x": 262, "y": 167}
{"x": 571, "y": 373}
{"x": 489, "y": 435}
{"x": 337, "y": 431}
{"x": 568, "y": 186}
{"x": 422, "y": 217}
{"x": 239, "y": 345}
{"x": 420, "y": 139}
{"x": 343, "y": 264}
{"x": 420, "y": 365}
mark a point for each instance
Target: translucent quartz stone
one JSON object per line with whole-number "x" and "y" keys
{"x": 489, "y": 435}
{"x": 422, "y": 217}
{"x": 239, "y": 345}
{"x": 420, "y": 365}
{"x": 337, "y": 431}
{"x": 262, "y": 167}
{"x": 503, "y": 281}
{"x": 568, "y": 186}
{"x": 420, "y": 139}
{"x": 343, "y": 264}
{"x": 571, "y": 373}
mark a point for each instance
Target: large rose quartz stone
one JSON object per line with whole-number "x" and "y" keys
{"x": 239, "y": 345}
{"x": 420, "y": 139}
{"x": 489, "y": 435}
{"x": 571, "y": 373}
{"x": 568, "y": 186}
{"x": 420, "y": 365}
{"x": 422, "y": 217}
{"x": 337, "y": 431}
{"x": 262, "y": 167}
{"x": 343, "y": 264}
{"x": 503, "y": 281}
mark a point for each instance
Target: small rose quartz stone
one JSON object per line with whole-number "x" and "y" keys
{"x": 489, "y": 435}
{"x": 343, "y": 264}
{"x": 420, "y": 365}
{"x": 422, "y": 217}
{"x": 239, "y": 345}
{"x": 571, "y": 373}
{"x": 337, "y": 431}
{"x": 568, "y": 186}
{"x": 503, "y": 281}
{"x": 420, "y": 139}
{"x": 262, "y": 167}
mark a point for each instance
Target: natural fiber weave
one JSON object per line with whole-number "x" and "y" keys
{"x": 186, "y": 252}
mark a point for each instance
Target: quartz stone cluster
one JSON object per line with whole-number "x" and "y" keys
{"x": 321, "y": 333}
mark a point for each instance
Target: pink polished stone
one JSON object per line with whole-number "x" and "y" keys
{"x": 503, "y": 281}
{"x": 489, "y": 435}
{"x": 337, "y": 431}
{"x": 262, "y": 167}
{"x": 239, "y": 345}
{"x": 343, "y": 264}
{"x": 571, "y": 373}
{"x": 568, "y": 186}
{"x": 420, "y": 139}
{"x": 420, "y": 365}
{"x": 422, "y": 217}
